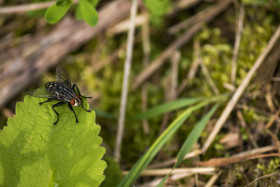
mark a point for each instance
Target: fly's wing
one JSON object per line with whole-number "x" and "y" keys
{"x": 62, "y": 75}
{"x": 40, "y": 92}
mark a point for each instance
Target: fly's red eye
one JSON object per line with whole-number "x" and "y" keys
{"x": 72, "y": 101}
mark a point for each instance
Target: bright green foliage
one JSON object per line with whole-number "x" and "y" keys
{"x": 92, "y": 3}
{"x": 87, "y": 12}
{"x": 271, "y": 167}
{"x": 55, "y": 12}
{"x": 35, "y": 152}
{"x": 157, "y": 7}
{"x": 166, "y": 107}
{"x": 216, "y": 52}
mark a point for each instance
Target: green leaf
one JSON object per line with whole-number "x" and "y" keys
{"x": 87, "y": 12}
{"x": 191, "y": 140}
{"x": 35, "y": 152}
{"x": 157, "y": 7}
{"x": 93, "y": 2}
{"x": 166, "y": 107}
{"x": 113, "y": 173}
{"x": 55, "y": 12}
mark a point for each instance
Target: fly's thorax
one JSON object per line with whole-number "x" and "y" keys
{"x": 60, "y": 91}
{"x": 51, "y": 87}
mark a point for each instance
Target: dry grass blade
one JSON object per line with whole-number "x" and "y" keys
{"x": 231, "y": 104}
{"x": 218, "y": 162}
{"x": 258, "y": 150}
{"x": 157, "y": 172}
{"x": 125, "y": 25}
{"x": 237, "y": 42}
{"x": 272, "y": 120}
{"x": 213, "y": 179}
{"x": 127, "y": 67}
{"x": 146, "y": 60}
{"x": 192, "y": 154}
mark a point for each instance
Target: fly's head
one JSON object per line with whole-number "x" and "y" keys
{"x": 49, "y": 86}
{"x": 76, "y": 101}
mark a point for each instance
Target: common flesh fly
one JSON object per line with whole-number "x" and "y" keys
{"x": 61, "y": 90}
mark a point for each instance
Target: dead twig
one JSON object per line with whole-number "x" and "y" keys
{"x": 231, "y": 104}
{"x": 19, "y": 9}
{"x": 272, "y": 120}
{"x": 127, "y": 67}
{"x": 202, "y": 16}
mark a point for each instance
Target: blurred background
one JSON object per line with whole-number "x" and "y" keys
{"x": 181, "y": 49}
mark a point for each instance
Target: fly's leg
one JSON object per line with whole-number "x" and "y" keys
{"x": 45, "y": 101}
{"x": 70, "y": 107}
{"x": 83, "y": 106}
{"x": 55, "y": 105}
{"x": 75, "y": 86}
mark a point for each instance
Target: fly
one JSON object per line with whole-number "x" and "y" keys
{"x": 61, "y": 90}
